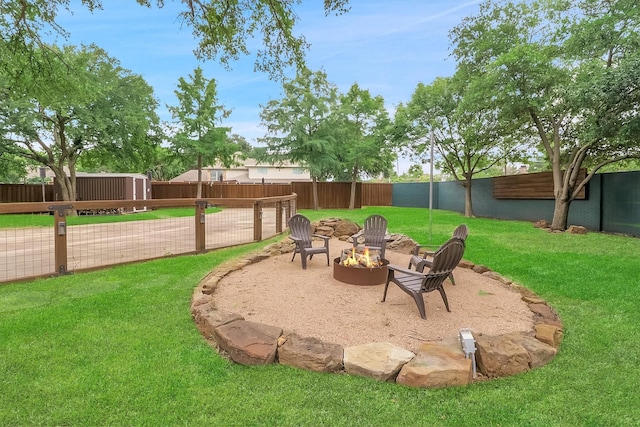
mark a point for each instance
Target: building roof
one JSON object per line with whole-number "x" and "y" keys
{"x": 34, "y": 172}
{"x": 241, "y": 173}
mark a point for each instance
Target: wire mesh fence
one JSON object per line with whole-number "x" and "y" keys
{"x": 30, "y": 252}
{"x": 26, "y": 252}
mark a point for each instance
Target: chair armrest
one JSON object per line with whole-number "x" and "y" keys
{"x": 422, "y": 264}
{"x": 418, "y": 248}
{"x": 403, "y": 270}
{"x": 295, "y": 239}
{"x": 354, "y": 237}
{"x": 325, "y": 238}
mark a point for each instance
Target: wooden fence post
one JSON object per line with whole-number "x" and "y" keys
{"x": 279, "y": 217}
{"x": 200, "y": 229}
{"x": 257, "y": 221}
{"x": 60, "y": 236}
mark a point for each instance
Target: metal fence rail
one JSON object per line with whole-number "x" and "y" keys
{"x": 46, "y": 251}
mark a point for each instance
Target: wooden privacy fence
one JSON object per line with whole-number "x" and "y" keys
{"x": 63, "y": 248}
{"x": 378, "y": 194}
{"x": 331, "y": 195}
{"x": 177, "y": 190}
{"x": 22, "y": 193}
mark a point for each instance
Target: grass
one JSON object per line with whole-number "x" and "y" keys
{"x": 118, "y": 346}
{"x": 46, "y": 220}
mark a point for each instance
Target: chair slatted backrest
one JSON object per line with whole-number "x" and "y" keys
{"x": 461, "y": 232}
{"x": 300, "y": 228}
{"x": 375, "y": 230}
{"x": 445, "y": 261}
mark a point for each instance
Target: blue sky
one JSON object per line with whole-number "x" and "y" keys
{"x": 386, "y": 46}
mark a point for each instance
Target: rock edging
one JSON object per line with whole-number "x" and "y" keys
{"x": 435, "y": 364}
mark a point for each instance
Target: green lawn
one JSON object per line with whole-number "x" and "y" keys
{"x": 118, "y": 347}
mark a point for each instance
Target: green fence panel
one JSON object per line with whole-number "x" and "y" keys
{"x": 612, "y": 204}
{"x": 413, "y": 194}
{"x": 621, "y": 202}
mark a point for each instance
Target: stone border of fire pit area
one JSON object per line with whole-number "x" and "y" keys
{"x": 435, "y": 364}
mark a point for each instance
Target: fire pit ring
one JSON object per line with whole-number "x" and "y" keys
{"x": 363, "y": 276}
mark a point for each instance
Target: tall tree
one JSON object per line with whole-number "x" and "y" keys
{"x": 84, "y": 103}
{"x": 569, "y": 69}
{"x": 198, "y": 113}
{"x": 222, "y": 28}
{"x": 364, "y": 150}
{"x": 299, "y": 127}
{"x": 468, "y": 137}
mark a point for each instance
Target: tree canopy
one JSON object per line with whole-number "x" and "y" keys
{"x": 224, "y": 29}
{"x": 299, "y": 127}
{"x": 568, "y": 69}
{"x": 85, "y": 103}
{"x": 362, "y": 123}
{"x": 455, "y": 115}
{"x": 198, "y": 114}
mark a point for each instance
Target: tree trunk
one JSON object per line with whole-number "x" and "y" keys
{"x": 560, "y": 214}
{"x": 67, "y": 184}
{"x": 564, "y": 197}
{"x": 66, "y": 189}
{"x": 468, "y": 203}
{"x": 352, "y": 198}
{"x": 565, "y": 194}
{"x": 316, "y": 201}
{"x": 199, "y": 191}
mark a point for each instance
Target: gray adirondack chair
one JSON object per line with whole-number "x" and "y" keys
{"x": 416, "y": 283}
{"x": 300, "y": 228}
{"x": 421, "y": 259}
{"x": 373, "y": 234}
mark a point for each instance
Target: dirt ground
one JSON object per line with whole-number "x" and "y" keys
{"x": 312, "y": 303}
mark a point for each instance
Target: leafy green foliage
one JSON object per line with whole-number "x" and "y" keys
{"x": 167, "y": 164}
{"x": 64, "y": 104}
{"x": 241, "y": 143}
{"x": 223, "y": 28}
{"x": 569, "y": 71}
{"x": 12, "y": 168}
{"x": 300, "y": 128}
{"x": 468, "y": 137}
{"x": 362, "y": 123}
{"x": 198, "y": 114}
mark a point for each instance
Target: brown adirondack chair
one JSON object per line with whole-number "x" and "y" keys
{"x": 300, "y": 228}
{"x": 416, "y": 283}
{"x": 421, "y": 259}
{"x": 374, "y": 234}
